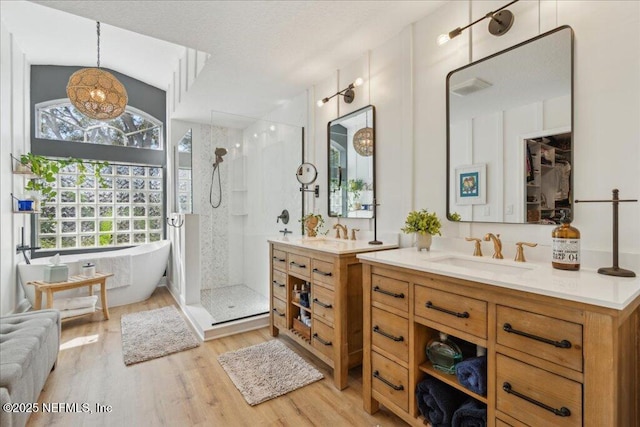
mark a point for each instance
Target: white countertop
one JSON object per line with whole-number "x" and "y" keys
{"x": 332, "y": 245}
{"x": 586, "y": 286}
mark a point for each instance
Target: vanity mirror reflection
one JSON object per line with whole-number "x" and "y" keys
{"x": 184, "y": 187}
{"x": 350, "y": 148}
{"x": 510, "y": 133}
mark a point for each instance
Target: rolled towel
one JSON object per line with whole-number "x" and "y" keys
{"x": 437, "y": 401}
{"x": 471, "y": 414}
{"x": 472, "y": 373}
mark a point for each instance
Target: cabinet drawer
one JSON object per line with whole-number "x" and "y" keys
{"x": 278, "y": 313}
{"x": 322, "y": 337}
{"x": 390, "y": 333}
{"x": 299, "y": 264}
{"x": 533, "y": 394}
{"x": 548, "y": 338}
{"x": 390, "y": 380}
{"x": 323, "y": 271}
{"x": 279, "y": 260}
{"x": 279, "y": 285}
{"x": 323, "y": 304}
{"x": 390, "y": 292}
{"x": 463, "y": 313}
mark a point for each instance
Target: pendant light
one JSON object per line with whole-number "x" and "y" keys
{"x": 363, "y": 140}
{"x": 97, "y": 93}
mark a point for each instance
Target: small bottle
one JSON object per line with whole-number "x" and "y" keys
{"x": 444, "y": 354}
{"x": 565, "y": 246}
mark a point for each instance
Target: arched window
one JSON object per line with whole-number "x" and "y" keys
{"x": 59, "y": 120}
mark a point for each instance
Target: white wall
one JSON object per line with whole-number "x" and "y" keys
{"x": 14, "y": 137}
{"x": 405, "y": 80}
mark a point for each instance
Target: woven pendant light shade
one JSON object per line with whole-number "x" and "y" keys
{"x": 363, "y": 142}
{"x": 97, "y": 94}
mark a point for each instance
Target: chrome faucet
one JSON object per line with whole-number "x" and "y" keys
{"x": 339, "y": 227}
{"x": 497, "y": 245}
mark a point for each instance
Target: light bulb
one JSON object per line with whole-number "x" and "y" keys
{"x": 272, "y": 128}
{"x": 97, "y": 94}
{"x": 358, "y": 82}
{"x": 237, "y": 145}
{"x": 442, "y": 39}
{"x": 320, "y": 103}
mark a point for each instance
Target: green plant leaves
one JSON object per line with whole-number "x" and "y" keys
{"x": 423, "y": 222}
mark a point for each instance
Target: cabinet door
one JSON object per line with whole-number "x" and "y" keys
{"x": 460, "y": 312}
{"x": 390, "y": 380}
{"x": 548, "y": 338}
{"x": 536, "y": 397}
{"x": 279, "y": 285}
{"x": 390, "y": 333}
{"x": 279, "y": 313}
{"x": 323, "y": 304}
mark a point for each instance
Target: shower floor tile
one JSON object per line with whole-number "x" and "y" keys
{"x": 233, "y": 302}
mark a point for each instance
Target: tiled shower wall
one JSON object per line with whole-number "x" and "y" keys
{"x": 215, "y": 224}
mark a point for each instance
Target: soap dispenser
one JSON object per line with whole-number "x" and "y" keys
{"x": 444, "y": 354}
{"x": 565, "y": 245}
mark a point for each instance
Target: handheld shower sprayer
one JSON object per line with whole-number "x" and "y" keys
{"x": 219, "y": 153}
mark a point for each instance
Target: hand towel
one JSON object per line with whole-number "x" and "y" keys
{"x": 75, "y": 303}
{"x": 437, "y": 401}
{"x": 471, "y": 414}
{"x": 472, "y": 373}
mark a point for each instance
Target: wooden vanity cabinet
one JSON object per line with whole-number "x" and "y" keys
{"x": 335, "y": 305}
{"x": 550, "y": 362}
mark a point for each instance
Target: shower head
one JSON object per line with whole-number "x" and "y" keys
{"x": 220, "y": 151}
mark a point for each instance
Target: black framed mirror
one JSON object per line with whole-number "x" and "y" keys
{"x": 351, "y": 163}
{"x": 510, "y": 133}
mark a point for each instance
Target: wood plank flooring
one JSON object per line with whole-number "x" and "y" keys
{"x": 189, "y": 388}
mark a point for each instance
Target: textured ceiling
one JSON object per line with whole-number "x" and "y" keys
{"x": 262, "y": 52}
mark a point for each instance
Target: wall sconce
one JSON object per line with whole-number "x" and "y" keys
{"x": 347, "y": 93}
{"x": 501, "y": 22}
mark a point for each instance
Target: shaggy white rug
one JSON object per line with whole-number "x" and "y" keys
{"x": 155, "y": 333}
{"x": 267, "y": 370}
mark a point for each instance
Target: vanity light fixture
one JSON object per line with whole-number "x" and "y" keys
{"x": 501, "y": 22}
{"x": 97, "y": 93}
{"x": 347, "y": 93}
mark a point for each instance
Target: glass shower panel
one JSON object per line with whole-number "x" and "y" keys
{"x": 253, "y": 182}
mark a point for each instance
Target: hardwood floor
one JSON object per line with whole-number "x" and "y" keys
{"x": 188, "y": 388}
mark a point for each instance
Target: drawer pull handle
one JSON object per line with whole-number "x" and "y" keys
{"x": 391, "y": 294}
{"x": 562, "y": 412}
{"x": 295, "y": 264}
{"x": 377, "y": 375}
{"x": 279, "y": 259}
{"x": 315, "y": 270}
{"x": 280, "y": 285}
{"x": 321, "y": 304}
{"x": 463, "y": 315}
{"x": 275, "y": 310}
{"x": 323, "y": 342}
{"x": 377, "y": 330}
{"x": 560, "y": 344}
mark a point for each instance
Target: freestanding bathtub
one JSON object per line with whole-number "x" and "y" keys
{"x": 148, "y": 263}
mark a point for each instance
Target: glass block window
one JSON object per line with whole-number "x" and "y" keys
{"x": 59, "y": 120}
{"x": 126, "y": 209}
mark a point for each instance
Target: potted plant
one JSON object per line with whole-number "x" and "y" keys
{"x": 47, "y": 170}
{"x": 312, "y": 223}
{"x": 355, "y": 187}
{"x": 424, "y": 224}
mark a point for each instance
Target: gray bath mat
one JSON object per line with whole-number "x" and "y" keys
{"x": 267, "y": 370}
{"x": 155, "y": 333}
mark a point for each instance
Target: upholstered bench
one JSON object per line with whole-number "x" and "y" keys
{"x": 29, "y": 344}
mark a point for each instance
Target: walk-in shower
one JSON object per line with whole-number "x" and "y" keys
{"x": 239, "y": 201}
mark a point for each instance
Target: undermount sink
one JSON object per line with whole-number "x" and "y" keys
{"x": 321, "y": 240}
{"x": 488, "y": 265}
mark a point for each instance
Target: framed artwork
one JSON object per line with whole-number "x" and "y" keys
{"x": 471, "y": 184}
